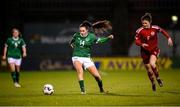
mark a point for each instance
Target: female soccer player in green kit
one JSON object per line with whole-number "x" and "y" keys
{"x": 14, "y": 50}
{"x": 82, "y": 43}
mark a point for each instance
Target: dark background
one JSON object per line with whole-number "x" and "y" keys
{"x": 124, "y": 14}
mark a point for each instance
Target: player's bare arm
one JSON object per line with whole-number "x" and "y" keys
{"x": 4, "y": 53}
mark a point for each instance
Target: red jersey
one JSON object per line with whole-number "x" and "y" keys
{"x": 149, "y": 36}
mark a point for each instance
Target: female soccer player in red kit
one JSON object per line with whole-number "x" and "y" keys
{"x": 146, "y": 38}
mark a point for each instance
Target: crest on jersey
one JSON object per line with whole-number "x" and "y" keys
{"x": 87, "y": 39}
{"x": 152, "y": 33}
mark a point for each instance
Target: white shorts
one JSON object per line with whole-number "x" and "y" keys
{"x": 14, "y": 61}
{"x": 86, "y": 62}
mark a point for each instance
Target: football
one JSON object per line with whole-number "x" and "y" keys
{"x": 48, "y": 89}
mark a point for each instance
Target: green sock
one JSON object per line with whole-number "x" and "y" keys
{"x": 81, "y": 84}
{"x": 99, "y": 81}
{"x": 17, "y": 77}
{"x": 13, "y": 75}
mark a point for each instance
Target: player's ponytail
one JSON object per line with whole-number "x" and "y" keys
{"x": 147, "y": 16}
{"x": 102, "y": 27}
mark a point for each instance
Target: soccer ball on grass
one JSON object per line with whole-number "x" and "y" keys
{"x": 48, "y": 89}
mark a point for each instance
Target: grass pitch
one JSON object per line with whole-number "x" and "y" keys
{"x": 124, "y": 88}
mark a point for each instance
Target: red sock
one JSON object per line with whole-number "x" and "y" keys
{"x": 150, "y": 75}
{"x": 155, "y": 72}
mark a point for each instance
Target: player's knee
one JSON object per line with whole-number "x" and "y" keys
{"x": 79, "y": 70}
{"x": 149, "y": 70}
{"x": 152, "y": 63}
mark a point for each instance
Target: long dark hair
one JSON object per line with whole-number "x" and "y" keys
{"x": 99, "y": 27}
{"x": 147, "y": 16}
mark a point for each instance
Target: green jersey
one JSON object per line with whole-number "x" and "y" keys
{"x": 14, "y": 47}
{"x": 82, "y": 45}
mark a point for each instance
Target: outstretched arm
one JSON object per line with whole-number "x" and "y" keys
{"x": 170, "y": 42}
{"x": 71, "y": 42}
{"x": 104, "y": 39}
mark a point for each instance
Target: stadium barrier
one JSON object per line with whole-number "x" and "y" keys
{"x": 128, "y": 63}
{"x": 102, "y": 63}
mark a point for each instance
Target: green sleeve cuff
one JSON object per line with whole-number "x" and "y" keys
{"x": 102, "y": 40}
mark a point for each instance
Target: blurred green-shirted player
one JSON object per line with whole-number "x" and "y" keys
{"x": 82, "y": 43}
{"x": 14, "y": 50}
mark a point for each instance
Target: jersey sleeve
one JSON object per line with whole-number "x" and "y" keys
{"x": 101, "y": 40}
{"x": 137, "y": 39}
{"x": 23, "y": 44}
{"x": 138, "y": 36}
{"x": 7, "y": 42}
{"x": 162, "y": 31}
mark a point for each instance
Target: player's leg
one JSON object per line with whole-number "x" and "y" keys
{"x": 17, "y": 72}
{"x": 146, "y": 60}
{"x": 13, "y": 73}
{"x": 150, "y": 75}
{"x": 17, "y": 69}
{"x": 79, "y": 69}
{"x": 93, "y": 70}
{"x": 12, "y": 67}
{"x": 153, "y": 60}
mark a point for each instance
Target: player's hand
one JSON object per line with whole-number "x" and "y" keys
{"x": 24, "y": 55}
{"x": 170, "y": 42}
{"x": 4, "y": 57}
{"x": 72, "y": 46}
{"x": 111, "y": 36}
{"x": 144, "y": 45}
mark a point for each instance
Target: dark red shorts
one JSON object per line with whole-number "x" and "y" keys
{"x": 145, "y": 54}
